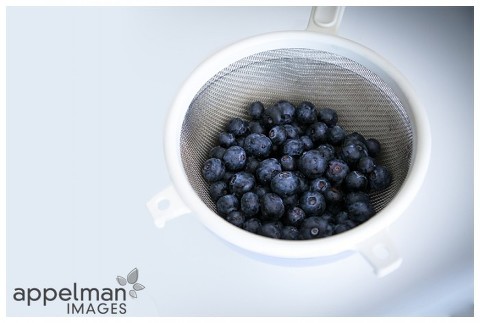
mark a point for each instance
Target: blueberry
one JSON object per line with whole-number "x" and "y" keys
{"x": 328, "y": 116}
{"x": 307, "y": 142}
{"x": 217, "y": 189}
{"x": 315, "y": 227}
{"x": 252, "y": 225}
{"x": 320, "y": 184}
{"x": 352, "y": 152}
{"x": 213, "y": 170}
{"x": 312, "y": 203}
{"x": 250, "y": 204}
{"x": 294, "y": 216}
{"x": 293, "y": 147}
{"x": 333, "y": 195}
{"x": 336, "y": 171}
{"x": 272, "y": 206}
{"x": 366, "y": 164}
{"x": 227, "y": 204}
{"x": 289, "y": 233}
{"x": 226, "y": 139}
{"x": 256, "y": 127}
{"x": 355, "y": 137}
{"x": 256, "y": 110}
{"x": 257, "y": 145}
{"x": 277, "y": 135}
{"x": 335, "y": 135}
{"x": 285, "y": 183}
{"x": 360, "y": 211}
{"x": 306, "y": 113}
{"x": 312, "y": 164}
{"x": 356, "y": 181}
{"x": 237, "y": 127}
{"x": 353, "y": 197}
{"x": 373, "y": 147}
{"x": 216, "y": 152}
{"x": 292, "y": 131}
{"x": 287, "y": 110}
{"x": 288, "y": 162}
{"x": 379, "y": 178}
{"x": 270, "y": 230}
{"x": 318, "y": 132}
{"x": 241, "y": 183}
{"x": 235, "y": 158}
{"x": 267, "y": 169}
{"x": 327, "y": 151}
{"x": 236, "y": 218}
{"x": 272, "y": 116}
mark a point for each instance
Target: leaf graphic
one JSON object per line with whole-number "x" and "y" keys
{"x": 133, "y": 293}
{"x": 132, "y": 276}
{"x": 122, "y": 281}
{"x": 138, "y": 286}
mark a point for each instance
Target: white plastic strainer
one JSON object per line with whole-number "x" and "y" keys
{"x": 370, "y": 96}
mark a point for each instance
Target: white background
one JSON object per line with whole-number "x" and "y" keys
{"x": 88, "y": 90}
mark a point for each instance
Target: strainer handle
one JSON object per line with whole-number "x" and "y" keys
{"x": 165, "y": 206}
{"x": 325, "y": 19}
{"x": 381, "y": 253}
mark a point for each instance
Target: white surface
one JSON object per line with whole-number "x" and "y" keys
{"x": 87, "y": 92}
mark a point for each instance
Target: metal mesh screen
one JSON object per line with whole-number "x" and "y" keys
{"x": 363, "y": 101}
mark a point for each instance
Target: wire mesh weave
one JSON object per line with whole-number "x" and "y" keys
{"x": 364, "y": 103}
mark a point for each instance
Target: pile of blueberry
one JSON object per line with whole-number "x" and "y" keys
{"x": 293, "y": 173}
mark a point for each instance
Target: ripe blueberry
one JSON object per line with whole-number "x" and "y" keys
{"x": 315, "y": 227}
{"x": 267, "y": 169}
{"x": 235, "y": 158}
{"x": 227, "y": 204}
{"x": 272, "y": 206}
{"x": 373, "y": 147}
{"x": 270, "y": 230}
{"x": 312, "y": 164}
{"x": 312, "y": 203}
{"x": 379, "y": 178}
{"x": 356, "y": 181}
{"x": 277, "y": 135}
{"x": 237, "y": 127}
{"x": 318, "y": 132}
{"x": 256, "y": 110}
{"x": 226, "y": 139}
{"x": 285, "y": 183}
{"x": 250, "y": 204}
{"x": 252, "y": 225}
{"x": 217, "y": 189}
{"x": 241, "y": 183}
{"x": 336, "y": 171}
{"x": 257, "y": 145}
{"x": 213, "y": 170}
{"x": 236, "y": 218}
{"x": 328, "y": 116}
{"x": 293, "y": 147}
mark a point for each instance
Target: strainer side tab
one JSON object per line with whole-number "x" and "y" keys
{"x": 325, "y": 19}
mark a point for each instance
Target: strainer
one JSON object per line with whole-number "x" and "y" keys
{"x": 370, "y": 96}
